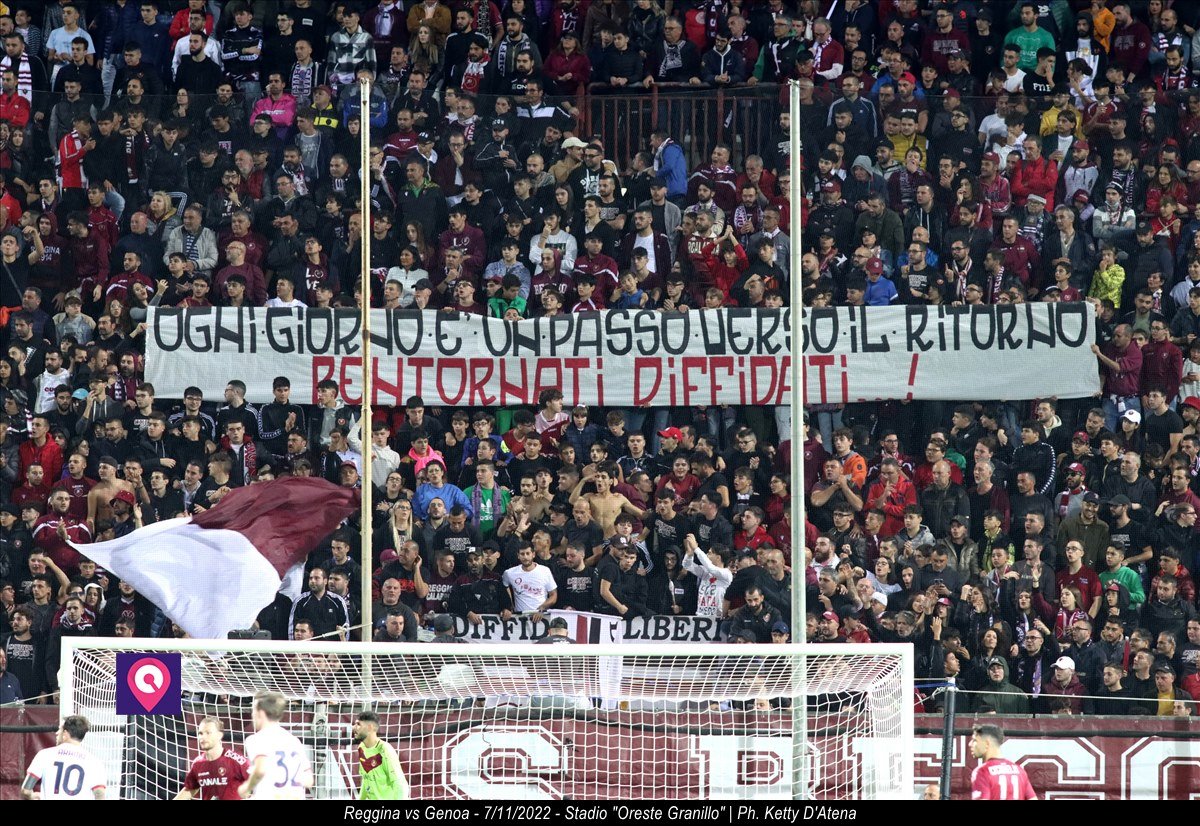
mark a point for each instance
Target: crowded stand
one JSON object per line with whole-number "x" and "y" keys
{"x": 204, "y": 154}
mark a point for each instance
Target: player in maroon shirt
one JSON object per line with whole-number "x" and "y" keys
{"x": 996, "y": 778}
{"x": 218, "y": 771}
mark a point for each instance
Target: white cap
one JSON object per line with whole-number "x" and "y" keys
{"x": 879, "y": 597}
{"x": 1133, "y": 416}
{"x": 1065, "y": 662}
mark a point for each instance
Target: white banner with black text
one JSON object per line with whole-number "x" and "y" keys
{"x": 628, "y": 358}
{"x": 584, "y": 627}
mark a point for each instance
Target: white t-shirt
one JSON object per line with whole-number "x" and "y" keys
{"x": 278, "y": 302}
{"x": 287, "y": 764}
{"x": 530, "y": 588}
{"x": 67, "y": 772}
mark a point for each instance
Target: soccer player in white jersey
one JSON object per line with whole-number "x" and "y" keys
{"x": 279, "y": 766}
{"x": 66, "y": 771}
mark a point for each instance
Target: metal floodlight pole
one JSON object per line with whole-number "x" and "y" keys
{"x": 799, "y": 582}
{"x": 367, "y": 512}
{"x": 948, "y": 738}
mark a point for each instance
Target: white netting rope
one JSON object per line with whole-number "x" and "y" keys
{"x": 475, "y": 724}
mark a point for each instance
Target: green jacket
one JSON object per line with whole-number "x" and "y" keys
{"x": 1002, "y": 697}
{"x": 1129, "y": 578}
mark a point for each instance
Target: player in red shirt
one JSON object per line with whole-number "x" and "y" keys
{"x": 996, "y": 778}
{"x": 218, "y": 771}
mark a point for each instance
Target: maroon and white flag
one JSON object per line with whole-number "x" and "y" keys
{"x": 213, "y": 572}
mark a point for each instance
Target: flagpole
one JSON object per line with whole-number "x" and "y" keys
{"x": 367, "y": 514}
{"x": 800, "y": 777}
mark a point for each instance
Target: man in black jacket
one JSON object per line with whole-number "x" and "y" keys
{"x": 198, "y": 71}
{"x": 1089, "y": 657}
{"x": 479, "y": 591}
{"x": 280, "y": 417}
{"x": 1035, "y": 455}
{"x": 326, "y": 611}
{"x": 673, "y": 59}
{"x": 1166, "y": 610}
{"x": 755, "y": 617}
{"x": 165, "y": 162}
{"x": 421, "y": 200}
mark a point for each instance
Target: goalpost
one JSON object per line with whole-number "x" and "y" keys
{"x": 582, "y": 722}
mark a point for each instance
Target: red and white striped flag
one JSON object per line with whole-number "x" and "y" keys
{"x": 214, "y": 572}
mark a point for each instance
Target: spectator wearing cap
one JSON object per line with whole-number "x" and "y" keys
{"x": 828, "y": 628}
{"x": 1166, "y": 693}
{"x": 126, "y": 514}
{"x": 443, "y": 630}
{"x": 1087, "y": 528}
{"x": 1065, "y": 683}
{"x": 557, "y": 633}
{"x": 1069, "y": 501}
{"x": 1153, "y": 254}
{"x": 1114, "y": 221}
{"x": 1189, "y": 405}
{"x": 832, "y": 216}
{"x": 881, "y": 291}
{"x": 853, "y": 629}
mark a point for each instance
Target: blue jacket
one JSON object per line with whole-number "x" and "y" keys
{"x": 673, "y": 170}
{"x": 155, "y": 43}
{"x": 880, "y": 294}
{"x": 448, "y": 493}
{"x": 113, "y": 25}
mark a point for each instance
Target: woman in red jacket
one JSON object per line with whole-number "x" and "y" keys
{"x": 568, "y": 67}
{"x": 1165, "y": 183}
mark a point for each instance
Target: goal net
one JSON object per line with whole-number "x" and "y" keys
{"x": 582, "y": 722}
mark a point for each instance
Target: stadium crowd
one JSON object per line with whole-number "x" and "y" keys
{"x": 193, "y": 154}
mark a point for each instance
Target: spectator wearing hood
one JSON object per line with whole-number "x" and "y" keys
{"x": 861, "y": 183}
{"x": 1000, "y": 696}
